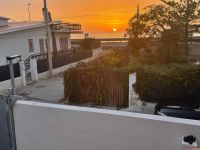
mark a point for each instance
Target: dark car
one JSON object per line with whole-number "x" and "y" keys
{"x": 178, "y": 110}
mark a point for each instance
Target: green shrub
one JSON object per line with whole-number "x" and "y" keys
{"x": 173, "y": 82}
{"x": 95, "y": 84}
{"x": 117, "y": 58}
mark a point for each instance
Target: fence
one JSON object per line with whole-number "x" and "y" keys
{"x": 116, "y": 93}
{"x": 63, "y": 58}
{"x": 5, "y": 73}
{"x": 97, "y": 86}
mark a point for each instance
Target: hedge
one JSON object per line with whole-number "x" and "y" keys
{"x": 168, "y": 83}
{"x": 95, "y": 85}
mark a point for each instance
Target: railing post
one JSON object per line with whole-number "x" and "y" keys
{"x": 34, "y": 71}
{"x": 12, "y": 77}
{"x": 22, "y": 72}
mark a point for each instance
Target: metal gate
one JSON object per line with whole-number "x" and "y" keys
{"x": 38, "y": 56}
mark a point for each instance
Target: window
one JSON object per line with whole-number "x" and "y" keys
{"x": 41, "y": 42}
{"x": 30, "y": 45}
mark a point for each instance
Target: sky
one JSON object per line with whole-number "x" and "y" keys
{"x": 95, "y": 16}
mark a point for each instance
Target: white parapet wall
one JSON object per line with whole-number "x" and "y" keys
{"x": 42, "y": 126}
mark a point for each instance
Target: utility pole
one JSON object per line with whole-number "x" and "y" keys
{"x": 48, "y": 34}
{"x": 29, "y": 13}
{"x": 138, "y": 12}
{"x": 138, "y": 15}
{"x": 187, "y": 27}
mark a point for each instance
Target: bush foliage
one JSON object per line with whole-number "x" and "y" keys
{"x": 97, "y": 83}
{"x": 168, "y": 83}
{"x": 156, "y": 82}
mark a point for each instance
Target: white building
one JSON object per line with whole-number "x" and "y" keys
{"x": 27, "y": 38}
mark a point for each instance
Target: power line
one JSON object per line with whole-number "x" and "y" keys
{"x": 95, "y": 14}
{"x": 99, "y": 14}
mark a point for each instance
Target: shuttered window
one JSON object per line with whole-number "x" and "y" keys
{"x": 30, "y": 45}
{"x": 41, "y": 42}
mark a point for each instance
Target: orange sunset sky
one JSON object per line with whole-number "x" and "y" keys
{"x": 103, "y": 15}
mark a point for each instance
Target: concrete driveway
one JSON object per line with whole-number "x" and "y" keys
{"x": 50, "y": 90}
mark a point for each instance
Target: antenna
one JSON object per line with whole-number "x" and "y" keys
{"x": 29, "y": 13}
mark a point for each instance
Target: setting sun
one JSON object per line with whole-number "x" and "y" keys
{"x": 114, "y": 29}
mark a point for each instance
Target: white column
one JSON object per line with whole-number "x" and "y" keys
{"x": 34, "y": 71}
{"x": 22, "y": 73}
{"x": 69, "y": 42}
{"x": 133, "y": 96}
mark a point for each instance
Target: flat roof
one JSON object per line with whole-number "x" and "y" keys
{"x": 18, "y": 26}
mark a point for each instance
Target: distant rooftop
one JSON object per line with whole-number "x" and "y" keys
{"x": 4, "y": 18}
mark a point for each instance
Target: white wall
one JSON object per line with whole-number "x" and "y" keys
{"x": 3, "y": 22}
{"x": 17, "y": 43}
{"x": 42, "y": 126}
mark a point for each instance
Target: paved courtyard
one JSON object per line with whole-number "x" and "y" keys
{"x": 50, "y": 90}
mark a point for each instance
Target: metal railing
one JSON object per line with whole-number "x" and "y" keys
{"x": 56, "y": 26}
{"x": 38, "y": 56}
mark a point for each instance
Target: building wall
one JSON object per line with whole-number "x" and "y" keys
{"x": 3, "y": 22}
{"x": 62, "y": 35}
{"x": 17, "y": 43}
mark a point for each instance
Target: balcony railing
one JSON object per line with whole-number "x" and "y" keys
{"x": 59, "y": 26}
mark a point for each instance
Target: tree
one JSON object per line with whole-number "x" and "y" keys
{"x": 153, "y": 22}
{"x": 189, "y": 10}
{"x": 165, "y": 20}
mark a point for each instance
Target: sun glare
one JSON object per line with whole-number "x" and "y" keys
{"x": 114, "y": 29}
